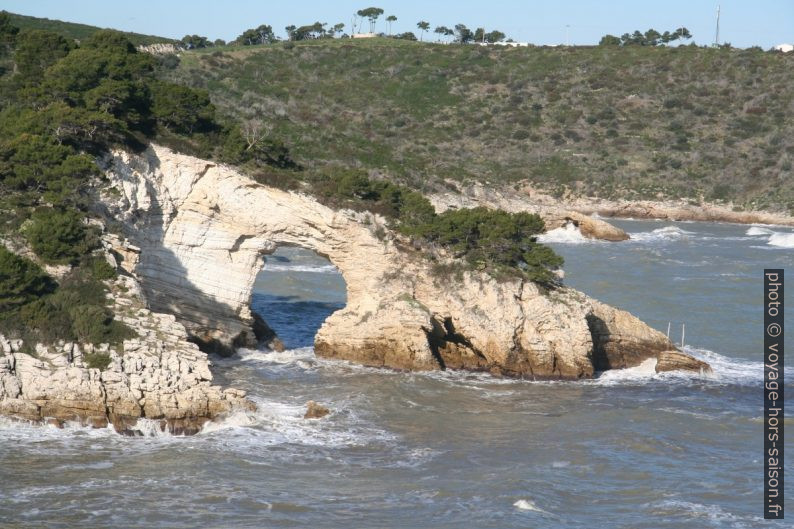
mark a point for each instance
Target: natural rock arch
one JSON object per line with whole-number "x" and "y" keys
{"x": 200, "y": 230}
{"x": 295, "y": 291}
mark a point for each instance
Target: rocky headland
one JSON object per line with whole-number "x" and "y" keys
{"x": 202, "y": 228}
{"x": 581, "y": 210}
{"x": 189, "y": 238}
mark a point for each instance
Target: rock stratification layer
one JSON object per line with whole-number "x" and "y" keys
{"x": 157, "y": 375}
{"x": 200, "y": 230}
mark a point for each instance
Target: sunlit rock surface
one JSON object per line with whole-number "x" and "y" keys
{"x": 202, "y": 229}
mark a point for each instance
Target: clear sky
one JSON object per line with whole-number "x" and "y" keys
{"x": 743, "y": 22}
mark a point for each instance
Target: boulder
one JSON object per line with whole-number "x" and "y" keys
{"x": 315, "y": 411}
{"x": 678, "y": 361}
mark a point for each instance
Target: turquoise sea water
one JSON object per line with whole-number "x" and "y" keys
{"x": 630, "y": 449}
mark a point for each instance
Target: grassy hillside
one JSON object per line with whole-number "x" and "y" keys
{"x": 75, "y": 31}
{"x": 635, "y": 122}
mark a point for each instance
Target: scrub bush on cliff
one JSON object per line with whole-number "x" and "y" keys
{"x": 494, "y": 240}
{"x": 500, "y": 242}
{"x": 36, "y": 163}
{"x": 60, "y": 237}
{"x": 21, "y": 281}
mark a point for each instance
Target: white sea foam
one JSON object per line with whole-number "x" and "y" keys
{"x": 757, "y": 231}
{"x": 668, "y": 233}
{"x": 528, "y": 505}
{"x": 301, "y": 356}
{"x": 569, "y": 234}
{"x": 782, "y": 240}
{"x": 729, "y": 370}
{"x": 712, "y": 513}
{"x": 317, "y": 269}
{"x": 645, "y": 370}
{"x": 778, "y": 239}
{"x": 278, "y": 422}
{"x": 151, "y": 428}
{"x": 725, "y": 370}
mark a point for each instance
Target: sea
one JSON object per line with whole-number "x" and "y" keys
{"x": 627, "y": 449}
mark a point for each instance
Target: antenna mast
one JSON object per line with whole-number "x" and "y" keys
{"x": 717, "y": 35}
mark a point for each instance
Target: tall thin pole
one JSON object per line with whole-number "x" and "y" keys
{"x": 717, "y": 35}
{"x": 668, "y": 330}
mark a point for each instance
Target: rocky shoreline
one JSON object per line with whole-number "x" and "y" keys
{"x": 159, "y": 375}
{"x": 591, "y": 214}
{"x": 190, "y": 239}
{"x": 195, "y": 222}
{"x": 676, "y": 211}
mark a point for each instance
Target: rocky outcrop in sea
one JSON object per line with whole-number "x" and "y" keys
{"x": 158, "y": 375}
{"x": 202, "y": 229}
{"x": 189, "y": 238}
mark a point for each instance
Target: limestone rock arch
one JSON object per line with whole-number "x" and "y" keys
{"x": 202, "y": 228}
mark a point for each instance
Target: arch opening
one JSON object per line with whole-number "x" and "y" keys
{"x": 295, "y": 291}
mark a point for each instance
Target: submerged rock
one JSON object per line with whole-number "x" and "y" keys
{"x": 678, "y": 361}
{"x": 315, "y": 411}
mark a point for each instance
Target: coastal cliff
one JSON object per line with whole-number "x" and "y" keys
{"x": 199, "y": 231}
{"x": 189, "y": 238}
{"x": 157, "y": 375}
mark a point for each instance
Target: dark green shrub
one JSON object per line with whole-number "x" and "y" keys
{"x": 501, "y": 242}
{"x": 353, "y": 189}
{"x": 99, "y": 268}
{"x": 46, "y": 323}
{"x": 39, "y": 163}
{"x": 94, "y": 324}
{"x": 37, "y": 50}
{"x": 59, "y": 236}
{"x": 181, "y": 109}
{"x": 21, "y": 281}
{"x": 97, "y": 360}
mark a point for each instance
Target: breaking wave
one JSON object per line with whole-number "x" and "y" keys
{"x": 782, "y": 240}
{"x": 725, "y": 370}
{"x": 778, "y": 239}
{"x": 569, "y": 234}
{"x": 668, "y": 233}
{"x": 315, "y": 269}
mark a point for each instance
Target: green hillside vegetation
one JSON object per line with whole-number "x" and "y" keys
{"x": 63, "y": 105}
{"x": 78, "y": 32}
{"x": 631, "y": 121}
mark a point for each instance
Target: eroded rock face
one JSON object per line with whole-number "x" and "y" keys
{"x": 202, "y": 229}
{"x": 678, "y": 361}
{"x": 158, "y": 375}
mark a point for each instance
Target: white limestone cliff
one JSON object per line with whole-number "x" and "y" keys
{"x": 157, "y": 375}
{"x": 197, "y": 232}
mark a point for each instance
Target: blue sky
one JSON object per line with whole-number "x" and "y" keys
{"x": 743, "y": 22}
